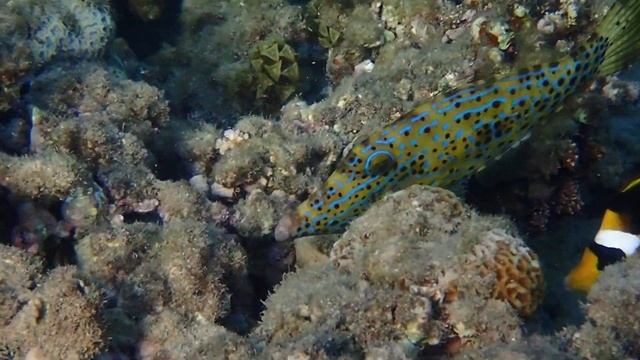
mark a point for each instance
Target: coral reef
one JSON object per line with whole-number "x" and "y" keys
{"x": 435, "y": 275}
{"x": 41, "y": 313}
{"x": 139, "y": 194}
{"x": 213, "y": 52}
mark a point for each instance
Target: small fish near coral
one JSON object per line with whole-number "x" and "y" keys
{"x": 616, "y": 239}
{"x": 443, "y": 141}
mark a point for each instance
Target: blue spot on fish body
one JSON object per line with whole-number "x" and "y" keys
{"x": 406, "y": 128}
{"x": 419, "y": 117}
{"x": 386, "y": 142}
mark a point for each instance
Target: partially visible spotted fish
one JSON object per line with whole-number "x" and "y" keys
{"x": 443, "y": 141}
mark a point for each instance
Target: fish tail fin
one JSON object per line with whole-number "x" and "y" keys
{"x": 621, "y": 30}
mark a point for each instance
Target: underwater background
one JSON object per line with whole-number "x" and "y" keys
{"x": 150, "y": 148}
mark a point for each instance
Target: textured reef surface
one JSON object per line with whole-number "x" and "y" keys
{"x": 149, "y": 149}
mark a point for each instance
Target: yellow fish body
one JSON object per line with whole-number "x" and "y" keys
{"x": 441, "y": 142}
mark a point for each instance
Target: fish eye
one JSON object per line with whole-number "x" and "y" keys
{"x": 379, "y": 162}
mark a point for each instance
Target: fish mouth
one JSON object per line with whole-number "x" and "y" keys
{"x": 286, "y": 227}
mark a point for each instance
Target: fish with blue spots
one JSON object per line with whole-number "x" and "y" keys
{"x": 450, "y": 138}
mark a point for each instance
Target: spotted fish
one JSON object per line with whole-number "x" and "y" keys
{"x": 441, "y": 142}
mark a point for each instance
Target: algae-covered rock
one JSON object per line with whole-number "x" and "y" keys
{"x": 257, "y": 215}
{"x": 419, "y": 272}
{"x": 169, "y": 336}
{"x": 19, "y": 274}
{"x": 62, "y": 308}
{"x": 147, "y": 10}
{"x": 209, "y": 68}
{"x": 528, "y": 348}
{"x": 270, "y": 155}
{"x": 613, "y": 322}
{"x": 39, "y": 175}
{"x": 89, "y": 92}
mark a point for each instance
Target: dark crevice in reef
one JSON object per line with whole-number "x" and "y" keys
{"x": 312, "y": 61}
{"x": 299, "y": 2}
{"x": 151, "y": 217}
{"x": 146, "y": 37}
{"x": 57, "y": 250}
{"x": 267, "y": 263}
{"x": 168, "y": 165}
{"x": 8, "y": 217}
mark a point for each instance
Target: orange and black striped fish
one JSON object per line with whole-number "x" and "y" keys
{"x": 616, "y": 239}
{"x": 450, "y": 138}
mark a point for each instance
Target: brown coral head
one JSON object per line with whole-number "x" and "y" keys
{"x": 513, "y": 269}
{"x": 519, "y": 278}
